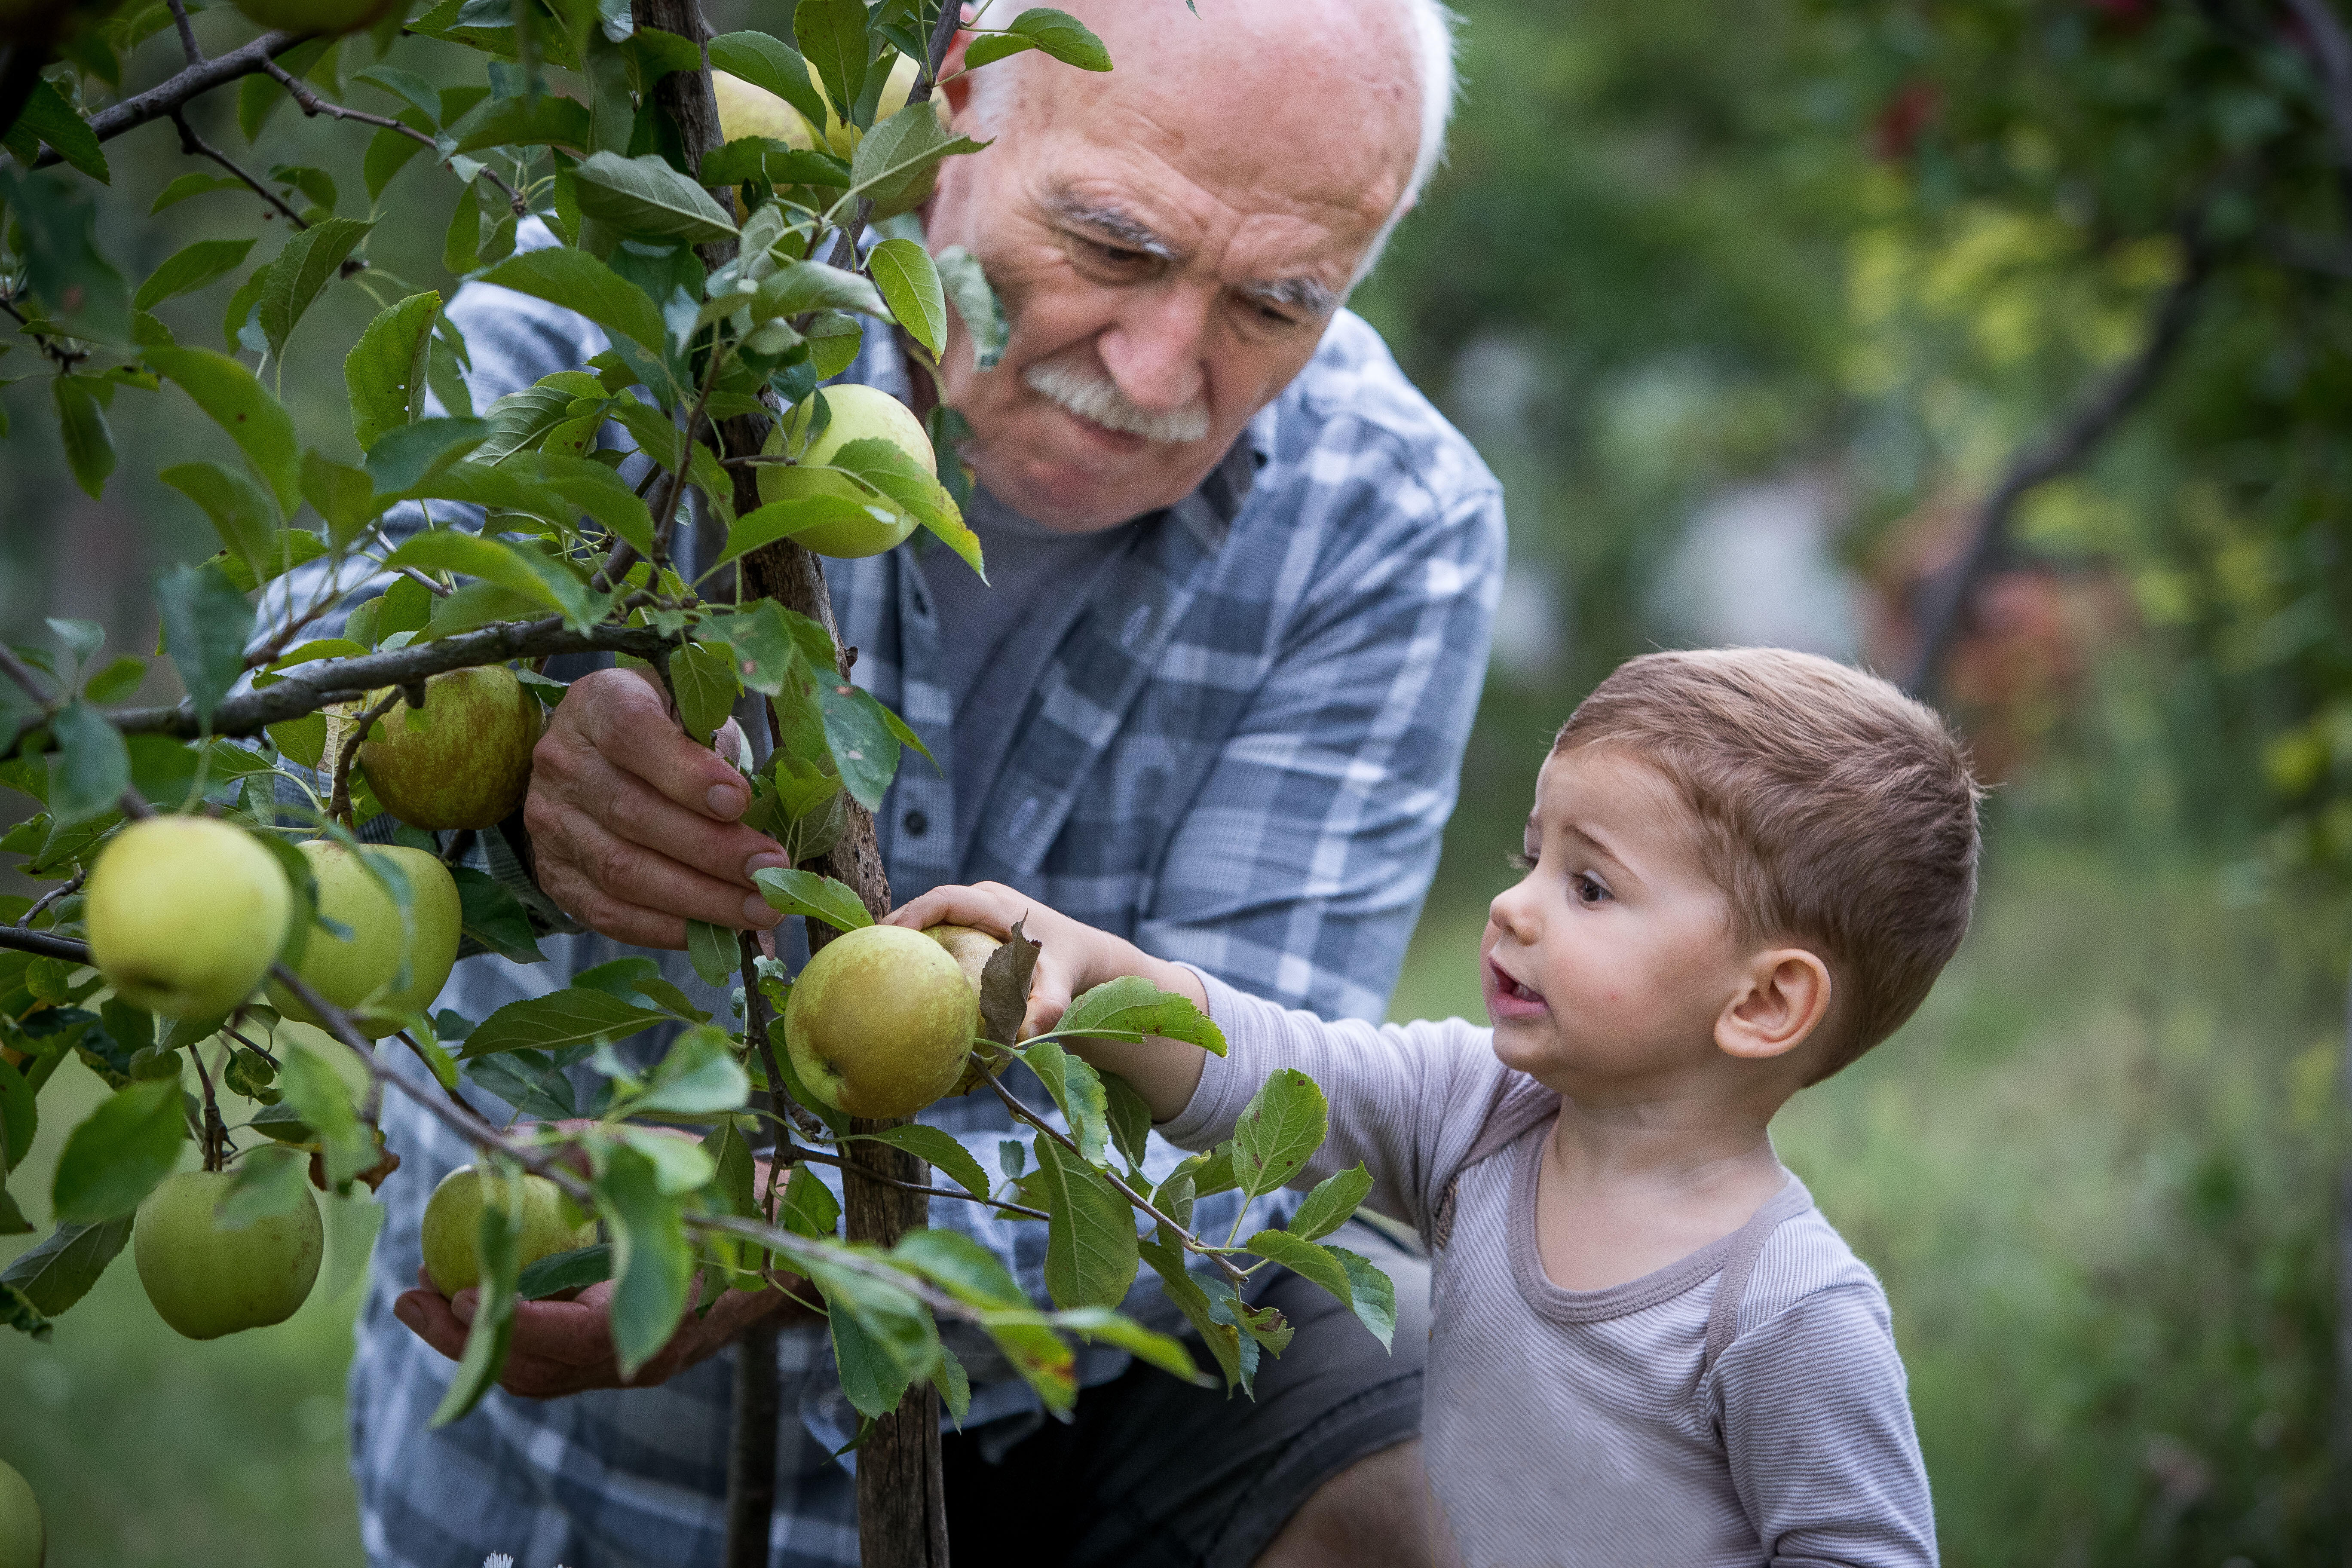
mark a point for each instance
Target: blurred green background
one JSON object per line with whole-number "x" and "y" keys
{"x": 1750, "y": 303}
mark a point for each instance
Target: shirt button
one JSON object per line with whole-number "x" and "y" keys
{"x": 922, "y": 606}
{"x": 915, "y": 823}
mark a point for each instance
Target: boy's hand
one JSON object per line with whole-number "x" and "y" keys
{"x": 1071, "y": 957}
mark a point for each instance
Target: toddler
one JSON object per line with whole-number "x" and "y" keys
{"x": 1744, "y": 869}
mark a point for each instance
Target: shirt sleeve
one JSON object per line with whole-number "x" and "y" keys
{"x": 1298, "y": 868}
{"x": 1817, "y": 1425}
{"x": 1403, "y": 1097}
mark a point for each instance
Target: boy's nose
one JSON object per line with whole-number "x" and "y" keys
{"x": 1512, "y": 911}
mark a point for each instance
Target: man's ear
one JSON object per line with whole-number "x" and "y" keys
{"x": 1783, "y": 995}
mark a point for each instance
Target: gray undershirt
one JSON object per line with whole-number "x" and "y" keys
{"x": 996, "y": 638}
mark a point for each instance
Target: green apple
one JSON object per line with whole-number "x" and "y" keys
{"x": 315, "y": 16}
{"x": 206, "y": 1280}
{"x": 858, "y": 414}
{"x": 349, "y": 972}
{"x": 185, "y": 914}
{"x": 470, "y": 764}
{"x": 748, "y": 110}
{"x": 969, "y": 946}
{"x": 23, "y": 1538}
{"x": 453, "y": 1218}
{"x": 879, "y": 1022}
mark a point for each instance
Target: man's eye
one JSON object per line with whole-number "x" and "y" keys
{"x": 1114, "y": 255}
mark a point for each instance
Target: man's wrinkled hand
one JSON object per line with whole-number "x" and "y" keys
{"x": 562, "y": 1347}
{"x": 634, "y": 828}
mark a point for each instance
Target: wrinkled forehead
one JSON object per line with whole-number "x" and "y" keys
{"x": 1267, "y": 107}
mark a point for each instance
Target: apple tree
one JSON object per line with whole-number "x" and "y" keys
{"x": 215, "y": 941}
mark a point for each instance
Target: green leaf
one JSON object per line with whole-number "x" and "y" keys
{"x": 1223, "y": 1339}
{"x": 698, "y": 1076}
{"x": 578, "y": 281}
{"x": 864, "y": 748}
{"x": 909, "y": 282}
{"x": 93, "y": 771}
{"x": 206, "y": 625}
{"x": 592, "y": 488}
{"x": 575, "y": 1016}
{"x": 1129, "y": 1116}
{"x": 870, "y": 1378}
{"x": 783, "y": 519}
{"x": 81, "y": 425}
{"x": 1370, "y": 1292}
{"x": 646, "y": 197}
{"x": 188, "y": 270}
{"x": 47, "y": 116}
{"x": 119, "y": 1153}
{"x": 1132, "y": 1006}
{"x": 961, "y": 1266}
{"x": 933, "y": 1146}
{"x": 894, "y": 164}
{"x": 1283, "y": 1123}
{"x": 530, "y": 1082}
{"x": 770, "y": 65}
{"x": 1146, "y": 1344}
{"x": 713, "y": 950}
{"x": 547, "y": 120}
{"x": 557, "y": 1272}
{"x": 798, "y": 892}
{"x": 1058, "y": 32}
{"x": 954, "y": 1384}
{"x": 60, "y": 1270}
{"x": 63, "y": 267}
{"x": 271, "y": 1180}
{"x": 495, "y": 917}
{"x": 497, "y": 1248}
{"x": 347, "y": 1145}
{"x": 306, "y": 266}
{"x": 832, "y": 37}
{"x": 187, "y": 185}
{"x": 461, "y": 242}
{"x": 385, "y": 372}
{"x": 802, "y": 286}
{"x": 984, "y": 316}
{"x": 808, "y": 1206}
{"x": 1091, "y": 1255}
{"x": 705, "y": 685}
{"x": 509, "y": 566}
{"x": 237, "y": 402}
{"x": 242, "y": 512}
{"x": 653, "y": 1263}
{"x": 388, "y": 153}
{"x": 1077, "y": 1088}
{"x": 404, "y": 85}
{"x": 1327, "y": 1208}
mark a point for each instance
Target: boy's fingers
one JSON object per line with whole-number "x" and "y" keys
{"x": 1049, "y": 998}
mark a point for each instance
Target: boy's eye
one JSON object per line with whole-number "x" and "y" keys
{"x": 1588, "y": 889}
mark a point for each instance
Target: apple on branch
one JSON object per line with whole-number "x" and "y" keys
{"x": 879, "y": 1022}
{"x": 206, "y": 1280}
{"x": 857, "y": 414}
{"x": 185, "y": 914}
{"x": 350, "y": 971}
{"x": 465, "y": 759}
{"x": 453, "y": 1219}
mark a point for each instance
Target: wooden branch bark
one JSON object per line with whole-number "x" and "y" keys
{"x": 174, "y": 92}
{"x": 2062, "y": 449}
{"x": 901, "y": 1503}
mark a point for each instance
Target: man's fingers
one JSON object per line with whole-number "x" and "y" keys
{"x": 629, "y": 722}
{"x": 628, "y": 872}
{"x": 428, "y": 1315}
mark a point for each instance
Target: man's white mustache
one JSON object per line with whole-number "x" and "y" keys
{"x": 1090, "y": 394}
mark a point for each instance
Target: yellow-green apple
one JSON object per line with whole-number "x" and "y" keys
{"x": 469, "y": 765}
{"x": 24, "y": 1543}
{"x": 879, "y": 1022}
{"x": 315, "y": 16}
{"x": 858, "y": 414}
{"x": 351, "y": 971}
{"x": 185, "y": 914}
{"x": 453, "y": 1218}
{"x": 969, "y": 946}
{"x": 206, "y": 1281}
{"x": 748, "y": 110}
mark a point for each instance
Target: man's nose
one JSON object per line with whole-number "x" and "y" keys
{"x": 1155, "y": 349}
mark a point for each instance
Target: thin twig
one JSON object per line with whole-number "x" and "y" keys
{"x": 174, "y": 93}
{"x": 311, "y": 104}
{"x": 49, "y": 899}
{"x": 17, "y": 670}
{"x": 448, "y": 1089}
{"x": 198, "y": 147}
{"x": 339, "y": 803}
{"x": 187, "y": 33}
{"x": 50, "y": 341}
{"x": 870, "y": 1174}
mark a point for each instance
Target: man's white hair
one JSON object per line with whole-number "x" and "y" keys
{"x": 1432, "y": 27}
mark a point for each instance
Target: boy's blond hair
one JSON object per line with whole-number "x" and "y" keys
{"x": 1834, "y": 812}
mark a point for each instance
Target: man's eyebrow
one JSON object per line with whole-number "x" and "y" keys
{"x": 1303, "y": 295}
{"x": 1117, "y": 225}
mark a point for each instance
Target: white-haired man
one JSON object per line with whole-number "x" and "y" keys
{"x": 1215, "y": 700}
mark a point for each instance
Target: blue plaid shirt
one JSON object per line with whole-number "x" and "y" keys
{"x": 1241, "y": 755}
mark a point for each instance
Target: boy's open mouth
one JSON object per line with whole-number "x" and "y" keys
{"x": 1506, "y": 985}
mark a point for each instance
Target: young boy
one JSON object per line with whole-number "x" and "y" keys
{"x": 1744, "y": 869}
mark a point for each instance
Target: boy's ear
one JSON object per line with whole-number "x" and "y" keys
{"x": 1784, "y": 994}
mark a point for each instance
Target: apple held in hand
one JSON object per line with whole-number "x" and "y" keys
{"x": 206, "y": 1281}
{"x": 470, "y": 764}
{"x": 24, "y": 1542}
{"x": 879, "y": 1022}
{"x": 349, "y": 973}
{"x": 453, "y": 1219}
{"x": 858, "y": 414}
{"x": 185, "y": 915}
{"x": 969, "y": 945}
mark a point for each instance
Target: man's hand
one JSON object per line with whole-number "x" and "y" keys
{"x": 566, "y": 1347}
{"x": 633, "y": 826}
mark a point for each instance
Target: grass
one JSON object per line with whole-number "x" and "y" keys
{"x": 2095, "y": 1174}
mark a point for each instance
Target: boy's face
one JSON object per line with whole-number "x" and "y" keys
{"x": 1608, "y": 964}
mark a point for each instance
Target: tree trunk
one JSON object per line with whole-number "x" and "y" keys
{"x": 901, "y": 1506}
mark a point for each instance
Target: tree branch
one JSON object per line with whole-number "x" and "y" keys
{"x": 312, "y": 105}
{"x": 174, "y": 93}
{"x": 198, "y": 147}
{"x": 42, "y": 942}
{"x": 310, "y": 687}
{"x": 187, "y": 33}
{"x": 1946, "y": 594}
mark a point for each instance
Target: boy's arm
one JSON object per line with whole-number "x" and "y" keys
{"x": 1817, "y": 1427}
{"x": 1072, "y": 959}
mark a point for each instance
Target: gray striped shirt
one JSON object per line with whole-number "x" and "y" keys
{"x": 1744, "y": 1405}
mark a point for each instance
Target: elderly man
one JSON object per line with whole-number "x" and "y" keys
{"x": 1215, "y": 700}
